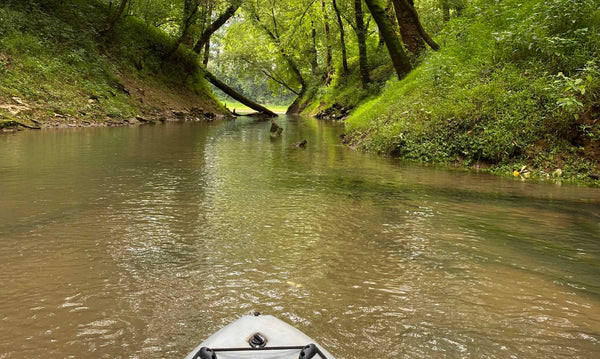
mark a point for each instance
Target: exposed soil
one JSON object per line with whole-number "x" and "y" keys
{"x": 154, "y": 102}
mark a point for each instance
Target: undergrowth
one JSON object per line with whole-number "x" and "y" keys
{"x": 510, "y": 87}
{"x": 59, "y": 63}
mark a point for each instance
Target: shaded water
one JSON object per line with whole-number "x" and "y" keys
{"x": 141, "y": 242}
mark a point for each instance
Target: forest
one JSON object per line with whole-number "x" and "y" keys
{"x": 507, "y": 86}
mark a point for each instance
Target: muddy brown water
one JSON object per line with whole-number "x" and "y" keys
{"x": 140, "y": 242}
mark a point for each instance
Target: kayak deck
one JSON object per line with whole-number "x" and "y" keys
{"x": 259, "y": 337}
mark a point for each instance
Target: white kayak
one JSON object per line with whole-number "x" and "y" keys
{"x": 259, "y": 337}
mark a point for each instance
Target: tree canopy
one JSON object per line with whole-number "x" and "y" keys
{"x": 279, "y": 49}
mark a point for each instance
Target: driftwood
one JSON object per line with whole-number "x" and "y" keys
{"x": 301, "y": 144}
{"x": 275, "y": 129}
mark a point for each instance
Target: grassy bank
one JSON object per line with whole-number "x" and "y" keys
{"x": 516, "y": 83}
{"x": 59, "y": 67}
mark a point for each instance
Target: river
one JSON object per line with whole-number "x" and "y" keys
{"x": 139, "y": 242}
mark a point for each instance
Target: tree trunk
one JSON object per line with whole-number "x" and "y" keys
{"x": 113, "y": 20}
{"x": 408, "y": 28}
{"x": 220, "y": 21}
{"x": 411, "y": 29}
{"x": 314, "y": 64}
{"x": 342, "y": 39}
{"x": 190, "y": 8}
{"x": 445, "y": 12}
{"x": 236, "y": 95}
{"x": 206, "y": 56}
{"x": 399, "y": 59}
{"x": 328, "y": 55}
{"x": 296, "y": 107}
{"x": 361, "y": 33}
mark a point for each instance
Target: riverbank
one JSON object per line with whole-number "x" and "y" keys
{"x": 510, "y": 92}
{"x": 59, "y": 68}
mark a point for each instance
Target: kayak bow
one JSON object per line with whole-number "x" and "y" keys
{"x": 259, "y": 337}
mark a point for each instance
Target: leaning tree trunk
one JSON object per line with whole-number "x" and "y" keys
{"x": 342, "y": 37}
{"x": 236, "y": 95}
{"x": 399, "y": 58}
{"x": 361, "y": 33}
{"x": 296, "y": 107}
{"x": 413, "y": 33}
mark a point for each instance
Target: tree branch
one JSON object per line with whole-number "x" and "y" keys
{"x": 281, "y": 82}
{"x": 220, "y": 21}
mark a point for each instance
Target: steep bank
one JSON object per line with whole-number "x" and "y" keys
{"x": 516, "y": 86}
{"x": 59, "y": 67}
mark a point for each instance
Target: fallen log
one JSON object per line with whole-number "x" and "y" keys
{"x": 238, "y": 96}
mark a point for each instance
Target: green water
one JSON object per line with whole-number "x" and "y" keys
{"x": 140, "y": 242}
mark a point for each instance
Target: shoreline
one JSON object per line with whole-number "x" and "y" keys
{"x": 198, "y": 115}
{"x": 24, "y": 118}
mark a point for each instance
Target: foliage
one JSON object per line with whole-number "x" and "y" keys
{"x": 509, "y": 86}
{"x": 55, "y": 55}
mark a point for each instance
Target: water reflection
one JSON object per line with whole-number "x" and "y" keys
{"x": 140, "y": 242}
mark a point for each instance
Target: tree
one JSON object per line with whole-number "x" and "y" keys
{"x": 270, "y": 26}
{"x": 113, "y": 18}
{"x": 314, "y": 56}
{"x": 399, "y": 58}
{"x": 190, "y": 9}
{"x": 361, "y": 33}
{"x": 342, "y": 37}
{"x": 216, "y": 25}
{"x": 328, "y": 55}
{"x": 411, "y": 30}
{"x": 236, "y": 95}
